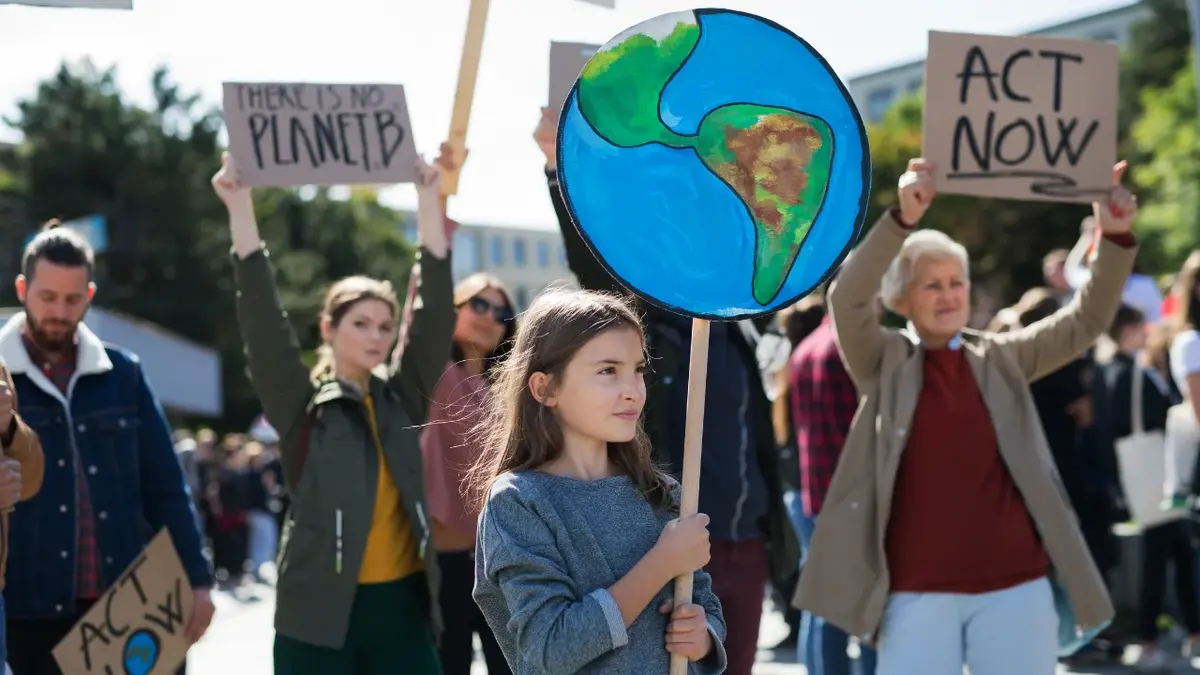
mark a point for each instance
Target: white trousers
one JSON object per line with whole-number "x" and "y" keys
{"x": 1008, "y": 632}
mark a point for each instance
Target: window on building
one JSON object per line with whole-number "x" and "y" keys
{"x": 522, "y": 298}
{"x": 562, "y": 255}
{"x": 496, "y": 252}
{"x": 878, "y": 103}
{"x": 520, "y": 251}
{"x": 543, "y": 254}
{"x": 1105, "y": 36}
{"x": 915, "y": 84}
{"x": 410, "y": 230}
{"x": 466, "y": 259}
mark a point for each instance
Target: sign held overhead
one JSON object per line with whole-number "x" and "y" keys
{"x": 1021, "y": 117}
{"x": 285, "y": 134}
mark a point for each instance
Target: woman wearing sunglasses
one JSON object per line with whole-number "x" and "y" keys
{"x": 482, "y": 336}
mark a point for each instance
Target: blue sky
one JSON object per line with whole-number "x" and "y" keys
{"x": 418, "y": 43}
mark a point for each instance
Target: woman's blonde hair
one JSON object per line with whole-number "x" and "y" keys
{"x": 341, "y": 296}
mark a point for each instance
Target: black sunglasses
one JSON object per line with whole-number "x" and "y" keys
{"x": 502, "y": 313}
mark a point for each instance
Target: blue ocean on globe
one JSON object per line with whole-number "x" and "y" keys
{"x": 141, "y": 653}
{"x": 665, "y": 224}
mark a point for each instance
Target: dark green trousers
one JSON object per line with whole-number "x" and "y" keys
{"x": 389, "y": 634}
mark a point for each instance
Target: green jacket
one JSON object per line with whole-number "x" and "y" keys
{"x": 329, "y": 458}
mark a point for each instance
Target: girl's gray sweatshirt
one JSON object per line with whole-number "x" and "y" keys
{"x": 548, "y": 549}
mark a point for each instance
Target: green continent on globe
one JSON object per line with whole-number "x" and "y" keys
{"x": 620, "y": 87}
{"x": 777, "y": 161}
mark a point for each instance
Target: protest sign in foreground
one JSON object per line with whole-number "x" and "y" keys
{"x": 286, "y": 134}
{"x": 732, "y": 204}
{"x": 1029, "y": 118}
{"x": 137, "y": 626}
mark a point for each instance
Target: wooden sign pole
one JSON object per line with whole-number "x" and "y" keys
{"x": 465, "y": 95}
{"x": 693, "y": 435}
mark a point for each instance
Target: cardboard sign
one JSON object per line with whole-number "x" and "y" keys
{"x": 86, "y": 4}
{"x": 1021, "y": 117}
{"x": 567, "y": 60}
{"x": 285, "y": 134}
{"x": 137, "y": 626}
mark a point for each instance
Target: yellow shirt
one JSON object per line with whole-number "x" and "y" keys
{"x": 392, "y": 550}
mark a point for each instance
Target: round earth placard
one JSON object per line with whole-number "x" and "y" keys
{"x": 714, "y": 162}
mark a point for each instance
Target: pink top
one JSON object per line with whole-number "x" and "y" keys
{"x": 449, "y": 450}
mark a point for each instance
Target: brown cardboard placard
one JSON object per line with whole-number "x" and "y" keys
{"x": 137, "y": 626}
{"x": 285, "y": 134}
{"x": 1030, "y": 118}
{"x": 567, "y": 60}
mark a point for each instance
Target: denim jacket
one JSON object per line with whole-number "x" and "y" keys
{"x": 112, "y": 419}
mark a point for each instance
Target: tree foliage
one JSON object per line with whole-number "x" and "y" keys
{"x": 1168, "y": 135}
{"x": 86, "y": 149}
{"x": 1158, "y": 133}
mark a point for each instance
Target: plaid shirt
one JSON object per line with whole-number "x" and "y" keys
{"x": 824, "y": 400}
{"x": 88, "y": 582}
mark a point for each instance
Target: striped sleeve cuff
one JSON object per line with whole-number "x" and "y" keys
{"x": 612, "y": 614}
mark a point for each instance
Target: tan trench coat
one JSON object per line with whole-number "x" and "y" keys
{"x": 845, "y": 579}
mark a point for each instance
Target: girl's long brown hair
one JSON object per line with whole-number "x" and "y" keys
{"x": 520, "y": 434}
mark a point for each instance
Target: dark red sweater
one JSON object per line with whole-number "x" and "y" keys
{"x": 958, "y": 523}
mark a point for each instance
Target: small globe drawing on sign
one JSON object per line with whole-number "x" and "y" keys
{"x": 141, "y": 653}
{"x": 714, "y": 162}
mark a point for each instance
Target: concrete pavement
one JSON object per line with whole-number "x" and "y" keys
{"x": 239, "y": 642}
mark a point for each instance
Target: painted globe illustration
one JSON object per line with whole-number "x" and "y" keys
{"x": 141, "y": 653}
{"x": 714, "y": 162}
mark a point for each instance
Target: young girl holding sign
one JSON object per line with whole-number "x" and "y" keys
{"x": 578, "y": 540}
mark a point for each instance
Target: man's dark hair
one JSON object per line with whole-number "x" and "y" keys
{"x": 59, "y": 246}
{"x": 1127, "y": 317}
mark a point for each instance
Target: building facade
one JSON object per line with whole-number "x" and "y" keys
{"x": 875, "y": 92}
{"x": 527, "y": 260}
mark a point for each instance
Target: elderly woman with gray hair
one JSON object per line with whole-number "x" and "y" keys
{"x": 946, "y": 538}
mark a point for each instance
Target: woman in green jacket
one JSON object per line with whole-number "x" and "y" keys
{"x": 357, "y": 584}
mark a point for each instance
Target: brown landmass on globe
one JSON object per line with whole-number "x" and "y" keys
{"x": 771, "y": 155}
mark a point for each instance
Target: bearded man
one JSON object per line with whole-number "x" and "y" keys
{"x": 111, "y": 475}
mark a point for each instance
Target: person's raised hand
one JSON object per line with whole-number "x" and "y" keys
{"x": 546, "y": 136}
{"x": 916, "y": 191}
{"x": 429, "y": 179}
{"x": 446, "y": 160}
{"x": 227, "y": 183}
{"x": 1117, "y": 215}
{"x": 684, "y": 544}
